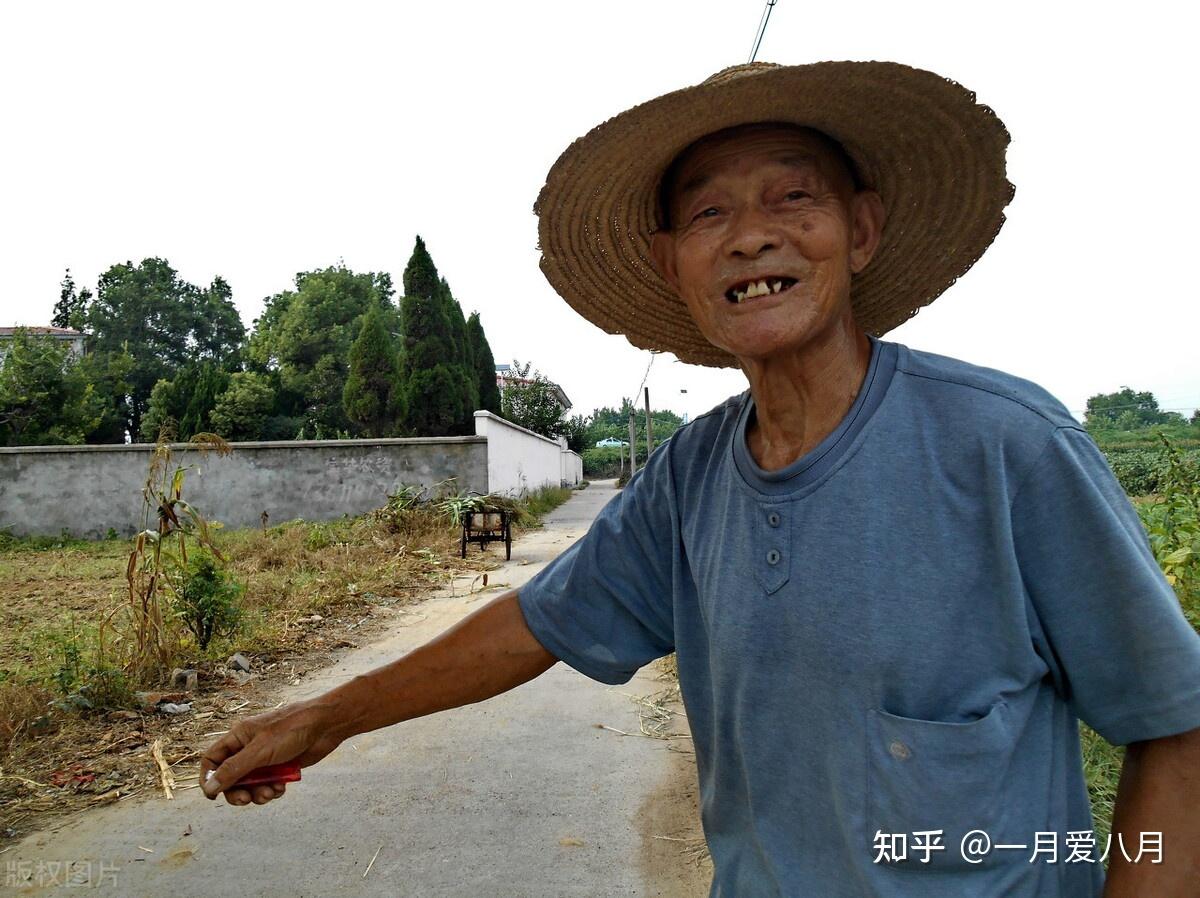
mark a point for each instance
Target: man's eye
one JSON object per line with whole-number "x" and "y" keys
{"x": 706, "y": 213}
{"x": 797, "y": 195}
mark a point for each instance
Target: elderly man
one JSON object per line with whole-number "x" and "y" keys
{"x": 894, "y": 581}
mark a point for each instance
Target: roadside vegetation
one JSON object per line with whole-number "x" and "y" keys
{"x": 91, "y": 632}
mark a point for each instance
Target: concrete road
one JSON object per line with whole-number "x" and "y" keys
{"x": 522, "y": 795}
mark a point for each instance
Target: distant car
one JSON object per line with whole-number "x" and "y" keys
{"x": 610, "y": 441}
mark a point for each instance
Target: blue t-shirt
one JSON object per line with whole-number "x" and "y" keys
{"x": 893, "y": 635}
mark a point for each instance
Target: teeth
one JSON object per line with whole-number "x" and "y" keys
{"x": 758, "y": 288}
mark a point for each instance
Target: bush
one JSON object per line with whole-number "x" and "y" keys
{"x": 1173, "y": 525}
{"x": 1140, "y": 471}
{"x": 207, "y": 599}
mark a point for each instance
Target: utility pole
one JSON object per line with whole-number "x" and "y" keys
{"x": 649, "y": 435}
{"x": 632, "y": 444}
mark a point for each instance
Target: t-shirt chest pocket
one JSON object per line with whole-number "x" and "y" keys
{"x": 949, "y": 778}
{"x": 772, "y": 549}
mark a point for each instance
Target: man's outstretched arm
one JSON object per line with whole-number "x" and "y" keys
{"x": 487, "y": 653}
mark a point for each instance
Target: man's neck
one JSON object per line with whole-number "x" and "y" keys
{"x": 800, "y": 398}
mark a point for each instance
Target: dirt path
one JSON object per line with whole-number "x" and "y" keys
{"x": 522, "y": 795}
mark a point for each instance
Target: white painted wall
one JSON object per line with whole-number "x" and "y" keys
{"x": 572, "y": 468}
{"x": 518, "y": 460}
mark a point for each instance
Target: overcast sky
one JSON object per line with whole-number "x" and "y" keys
{"x": 255, "y": 140}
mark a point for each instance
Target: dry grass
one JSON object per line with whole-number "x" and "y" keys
{"x": 311, "y": 591}
{"x": 52, "y": 598}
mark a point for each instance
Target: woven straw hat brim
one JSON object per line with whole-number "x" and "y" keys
{"x": 935, "y": 156}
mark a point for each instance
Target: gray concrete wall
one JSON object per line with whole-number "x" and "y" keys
{"x": 88, "y": 489}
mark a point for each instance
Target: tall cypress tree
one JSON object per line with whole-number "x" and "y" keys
{"x": 484, "y": 365}
{"x": 439, "y": 390}
{"x": 420, "y": 275}
{"x": 463, "y": 370}
{"x": 371, "y": 393}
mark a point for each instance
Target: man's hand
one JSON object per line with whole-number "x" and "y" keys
{"x": 487, "y": 653}
{"x": 301, "y": 731}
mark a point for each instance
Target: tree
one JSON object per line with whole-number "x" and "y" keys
{"x": 218, "y": 332}
{"x": 530, "y": 400}
{"x": 433, "y": 403}
{"x": 613, "y": 423}
{"x": 575, "y": 429}
{"x": 1123, "y": 410}
{"x": 304, "y": 338}
{"x": 244, "y": 410}
{"x": 71, "y": 308}
{"x": 164, "y": 322}
{"x": 462, "y": 362}
{"x": 44, "y": 399}
{"x": 484, "y": 365}
{"x": 439, "y": 392}
{"x": 187, "y": 401}
{"x": 109, "y": 373}
{"x": 372, "y": 390}
{"x": 420, "y": 274}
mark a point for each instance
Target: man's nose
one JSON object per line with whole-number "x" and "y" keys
{"x": 752, "y": 234}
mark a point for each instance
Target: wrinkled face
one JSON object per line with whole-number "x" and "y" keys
{"x": 766, "y": 228}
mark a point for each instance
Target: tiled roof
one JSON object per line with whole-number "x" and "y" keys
{"x": 42, "y": 331}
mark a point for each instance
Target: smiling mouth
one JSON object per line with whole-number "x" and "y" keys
{"x": 739, "y": 293}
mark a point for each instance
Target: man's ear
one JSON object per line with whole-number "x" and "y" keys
{"x": 662, "y": 250}
{"x": 866, "y": 228}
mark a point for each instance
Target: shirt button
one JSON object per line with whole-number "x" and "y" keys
{"x": 773, "y": 556}
{"x": 899, "y": 750}
{"x": 773, "y": 519}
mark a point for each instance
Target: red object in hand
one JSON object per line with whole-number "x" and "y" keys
{"x": 272, "y": 773}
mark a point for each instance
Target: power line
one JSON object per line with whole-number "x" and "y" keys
{"x": 762, "y": 28}
{"x": 638, "y": 391}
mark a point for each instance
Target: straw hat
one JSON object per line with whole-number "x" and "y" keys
{"x": 935, "y": 156}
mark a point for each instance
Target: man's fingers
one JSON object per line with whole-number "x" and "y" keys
{"x": 230, "y": 759}
{"x": 227, "y": 745}
{"x": 213, "y": 757}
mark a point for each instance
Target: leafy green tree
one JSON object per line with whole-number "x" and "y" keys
{"x": 530, "y": 400}
{"x": 161, "y": 412}
{"x": 372, "y": 390}
{"x": 71, "y": 308}
{"x": 186, "y": 402}
{"x": 244, "y": 411}
{"x": 613, "y": 423}
{"x": 484, "y": 365}
{"x": 217, "y": 332}
{"x": 1124, "y": 410}
{"x": 109, "y": 373}
{"x": 304, "y": 338}
{"x": 164, "y": 321}
{"x": 44, "y": 399}
{"x": 575, "y": 429}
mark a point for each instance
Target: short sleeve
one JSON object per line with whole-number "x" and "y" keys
{"x": 1120, "y": 648}
{"x": 605, "y": 605}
